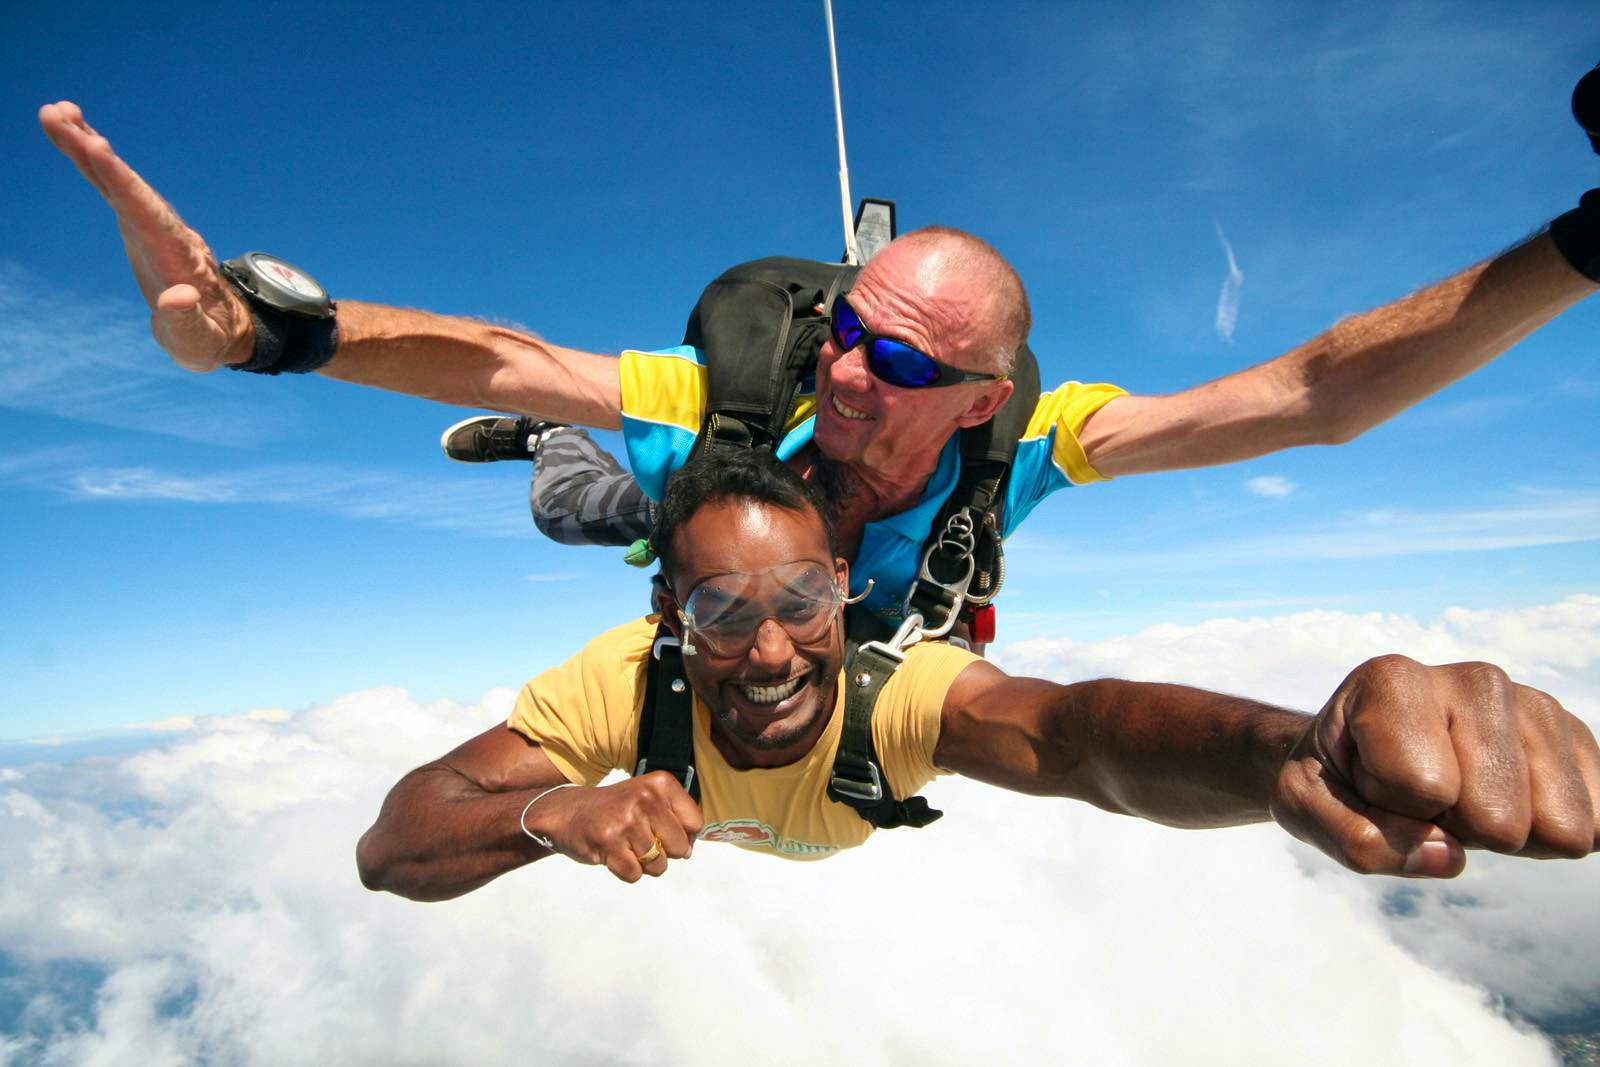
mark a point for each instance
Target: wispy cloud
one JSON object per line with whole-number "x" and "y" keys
{"x": 476, "y": 505}
{"x": 1583, "y": 388}
{"x": 1476, "y": 411}
{"x": 1271, "y": 485}
{"x": 1258, "y": 603}
{"x": 1531, "y": 518}
{"x": 1458, "y": 72}
{"x": 91, "y": 359}
{"x": 1232, "y": 290}
{"x": 176, "y": 724}
{"x": 555, "y": 576}
{"x": 139, "y": 483}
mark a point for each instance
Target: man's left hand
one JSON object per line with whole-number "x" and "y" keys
{"x": 1407, "y": 766}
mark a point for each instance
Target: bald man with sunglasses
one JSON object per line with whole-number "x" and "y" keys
{"x": 881, "y": 442}
{"x": 921, "y": 347}
{"x": 1405, "y": 767}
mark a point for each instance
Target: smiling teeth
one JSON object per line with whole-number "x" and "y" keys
{"x": 849, "y": 413}
{"x": 771, "y": 694}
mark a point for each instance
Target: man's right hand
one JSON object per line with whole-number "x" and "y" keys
{"x": 614, "y": 825}
{"x": 194, "y": 313}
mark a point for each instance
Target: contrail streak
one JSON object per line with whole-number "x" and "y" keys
{"x": 1232, "y": 288}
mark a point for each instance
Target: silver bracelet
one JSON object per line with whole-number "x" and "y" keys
{"x": 538, "y": 839}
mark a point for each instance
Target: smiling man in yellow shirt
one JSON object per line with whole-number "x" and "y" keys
{"x": 1404, "y": 768}
{"x": 584, "y": 715}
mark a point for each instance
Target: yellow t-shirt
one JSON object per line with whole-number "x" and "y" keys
{"x": 585, "y": 715}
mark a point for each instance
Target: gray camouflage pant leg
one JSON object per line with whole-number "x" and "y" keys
{"x": 581, "y": 496}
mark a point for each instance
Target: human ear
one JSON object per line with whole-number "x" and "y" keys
{"x": 991, "y": 400}
{"x": 665, "y": 603}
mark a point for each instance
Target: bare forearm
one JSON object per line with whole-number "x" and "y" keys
{"x": 1370, "y": 367}
{"x": 439, "y": 836}
{"x": 1176, "y": 755}
{"x": 473, "y": 364}
{"x": 1167, "y": 753}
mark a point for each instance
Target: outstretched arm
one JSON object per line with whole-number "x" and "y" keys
{"x": 1403, "y": 767}
{"x": 197, "y": 317}
{"x": 1363, "y": 371}
{"x": 455, "y": 824}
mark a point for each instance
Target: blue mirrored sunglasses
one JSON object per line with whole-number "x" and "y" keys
{"x": 895, "y": 361}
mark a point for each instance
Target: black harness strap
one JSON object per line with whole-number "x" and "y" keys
{"x": 858, "y": 778}
{"x": 666, "y": 723}
{"x": 987, "y": 452}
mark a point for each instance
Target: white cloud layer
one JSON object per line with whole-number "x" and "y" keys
{"x": 198, "y": 903}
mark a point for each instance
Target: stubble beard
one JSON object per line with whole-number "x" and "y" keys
{"x": 838, "y": 485}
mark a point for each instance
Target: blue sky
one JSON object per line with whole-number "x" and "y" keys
{"x": 182, "y": 545}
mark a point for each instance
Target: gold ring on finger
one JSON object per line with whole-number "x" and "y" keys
{"x": 655, "y": 850}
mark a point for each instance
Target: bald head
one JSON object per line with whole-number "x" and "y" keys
{"x": 947, "y": 260}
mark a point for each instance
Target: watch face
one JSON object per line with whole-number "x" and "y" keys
{"x": 281, "y": 274}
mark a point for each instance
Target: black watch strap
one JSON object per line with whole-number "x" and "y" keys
{"x": 287, "y": 344}
{"x": 1577, "y": 235}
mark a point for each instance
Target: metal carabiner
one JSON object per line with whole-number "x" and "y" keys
{"x": 958, "y": 533}
{"x": 909, "y": 633}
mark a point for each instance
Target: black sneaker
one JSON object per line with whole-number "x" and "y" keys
{"x": 487, "y": 438}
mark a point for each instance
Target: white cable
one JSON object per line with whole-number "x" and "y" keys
{"x": 852, "y": 254}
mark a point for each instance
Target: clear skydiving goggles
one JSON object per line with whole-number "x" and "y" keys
{"x": 724, "y": 613}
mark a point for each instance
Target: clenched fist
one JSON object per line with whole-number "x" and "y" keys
{"x": 1407, "y": 766}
